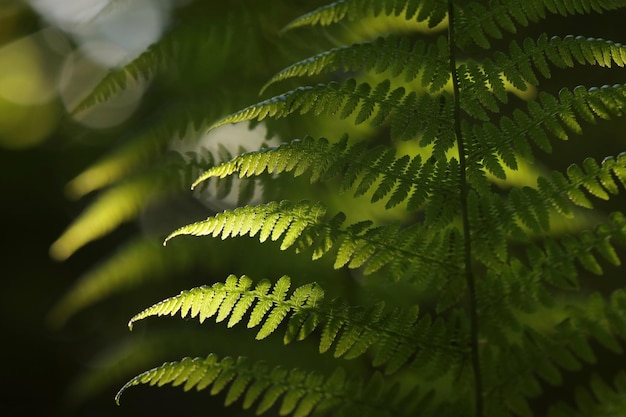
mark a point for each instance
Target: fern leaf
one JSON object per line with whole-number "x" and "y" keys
{"x": 117, "y": 205}
{"x": 116, "y": 165}
{"x": 263, "y": 306}
{"x": 300, "y": 393}
{"x": 579, "y": 248}
{"x": 259, "y": 219}
{"x": 597, "y": 180}
{"x": 174, "y": 50}
{"x": 393, "y": 54}
{"x": 466, "y": 220}
{"x": 234, "y": 299}
{"x": 593, "y": 318}
{"x": 279, "y": 312}
{"x": 148, "y": 146}
{"x": 433, "y": 12}
{"x": 330, "y": 330}
{"x": 480, "y": 23}
{"x": 601, "y": 319}
{"x": 144, "y": 67}
{"x": 240, "y": 378}
{"x": 349, "y": 98}
{"x": 544, "y": 119}
{"x": 361, "y": 329}
{"x": 442, "y": 209}
{"x": 134, "y": 263}
{"x": 481, "y": 83}
{"x": 409, "y": 178}
{"x": 600, "y": 399}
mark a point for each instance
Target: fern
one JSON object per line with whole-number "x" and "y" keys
{"x": 359, "y": 245}
{"x": 396, "y": 335}
{"x": 599, "y": 399}
{"x": 271, "y": 221}
{"x": 134, "y": 263}
{"x": 300, "y": 393}
{"x": 200, "y": 373}
{"x": 409, "y": 179}
{"x": 398, "y": 58}
{"x": 431, "y": 11}
{"x": 483, "y": 23}
{"x": 348, "y": 98}
{"x": 461, "y": 289}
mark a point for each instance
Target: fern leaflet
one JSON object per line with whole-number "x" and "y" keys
{"x": 300, "y": 393}
{"x": 480, "y": 23}
{"x": 396, "y": 336}
{"x": 431, "y": 11}
{"x": 409, "y": 178}
{"x": 363, "y": 101}
{"x": 396, "y": 55}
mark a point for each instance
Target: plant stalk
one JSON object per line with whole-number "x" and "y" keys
{"x": 463, "y": 194}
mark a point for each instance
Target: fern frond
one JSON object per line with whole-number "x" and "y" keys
{"x": 563, "y": 53}
{"x": 144, "y": 67}
{"x": 134, "y": 354}
{"x": 532, "y": 206}
{"x": 425, "y": 255}
{"x": 480, "y": 22}
{"x": 432, "y": 11}
{"x": 174, "y": 50}
{"x": 234, "y": 298}
{"x": 483, "y": 83}
{"x": 480, "y": 82}
{"x": 298, "y": 156}
{"x": 599, "y": 399}
{"x": 397, "y": 337}
{"x": 299, "y": 392}
{"x": 119, "y": 204}
{"x": 598, "y": 181}
{"x": 273, "y": 220}
{"x": 351, "y": 98}
{"x": 115, "y": 166}
{"x": 601, "y": 319}
{"x": 148, "y": 145}
{"x": 408, "y": 178}
{"x": 397, "y": 55}
{"x": 555, "y": 262}
{"x": 134, "y": 263}
{"x": 547, "y": 117}
{"x": 562, "y": 348}
{"x": 551, "y": 264}
{"x": 125, "y": 200}
{"x": 498, "y": 266}
{"x": 256, "y": 383}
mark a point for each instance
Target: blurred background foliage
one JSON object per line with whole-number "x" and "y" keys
{"x": 67, "y": 351}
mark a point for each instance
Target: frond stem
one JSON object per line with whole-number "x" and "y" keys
{"x": 463, "y": 194}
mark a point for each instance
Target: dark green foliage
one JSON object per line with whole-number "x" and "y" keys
{"x": 468, "y": 274}
{"x": 299, "y": 393}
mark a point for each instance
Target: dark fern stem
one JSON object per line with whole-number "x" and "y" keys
{"x": 463, "y": 193}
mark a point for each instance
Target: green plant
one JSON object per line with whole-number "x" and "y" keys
{"x": 464, "y": 284}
